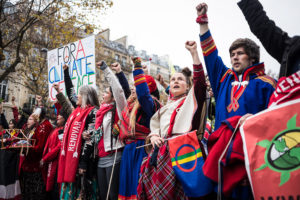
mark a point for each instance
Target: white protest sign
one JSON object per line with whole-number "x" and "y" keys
{"x": 80, "y": 57}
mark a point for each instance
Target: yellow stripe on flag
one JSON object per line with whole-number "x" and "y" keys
{"x": 188, "y": 159}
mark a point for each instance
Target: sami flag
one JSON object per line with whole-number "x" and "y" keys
{"x": 272, "y": 151}
{"x": 187, "y": 162}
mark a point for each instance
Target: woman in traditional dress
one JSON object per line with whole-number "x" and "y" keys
{"x": 180, "y": 115}
{"x": 32, "y": 184}
{"x": 77, "y": 166}
{"x": 109, "y": 146}
{"x": 141, "y": 105}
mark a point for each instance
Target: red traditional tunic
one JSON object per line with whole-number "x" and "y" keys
{"x": 32, "y": 160}
{"x": 50, "y": 157}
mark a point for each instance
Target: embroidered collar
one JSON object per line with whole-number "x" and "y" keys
{"x": 250, "y": 72}
{"x": 238, "y": 87}
{"x": 178, "y": 97}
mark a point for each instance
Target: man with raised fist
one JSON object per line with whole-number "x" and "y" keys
{"x": 242, "y": 89}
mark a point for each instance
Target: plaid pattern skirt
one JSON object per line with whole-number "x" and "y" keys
{"x": 159, "y": 182}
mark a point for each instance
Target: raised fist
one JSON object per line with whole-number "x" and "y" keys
{"x": 86, "y": 135}
{"x": 56, "y": 87}
{"x": 101, "y": 65}
{"x": 137, "y": 61}
{"x": 160, "y": 79}
{"x": 116, "y": 67}
{"x": 65, "y": 66}
{"x": 38, "y": 98}
{"x": 98, "y": 64}
{"x": 191, "y": 45}
{"x": 201, "y": 9}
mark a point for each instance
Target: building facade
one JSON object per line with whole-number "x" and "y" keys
{"x": 106, "y": 49}
{"x": 119, "y": 51}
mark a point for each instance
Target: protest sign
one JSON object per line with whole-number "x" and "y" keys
{"x": 80, "y": 57}
{"x": 272, "y": 151}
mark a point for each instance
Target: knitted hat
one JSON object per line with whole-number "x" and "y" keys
{"x": 151, "y": 83}
{"x": 152, "y": 86}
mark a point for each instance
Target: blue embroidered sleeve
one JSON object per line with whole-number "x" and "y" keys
{"x": 214, "y": 64}
{"x": 142, "y": 91}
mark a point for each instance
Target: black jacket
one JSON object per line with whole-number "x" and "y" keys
{"x": 285, "y": 49}
{"x": 70, "y": 88}
{"x": 3, "y": 121}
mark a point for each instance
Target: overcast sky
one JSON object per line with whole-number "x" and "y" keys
{"x": 162, "y": 26}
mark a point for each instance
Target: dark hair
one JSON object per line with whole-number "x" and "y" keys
{"x": 112, "y": 123}
{"x": 43, "y": 113}
{"x": 112, "y": 94}
{"x": 250, "y": 47}
{"x": 187, "y": 73}
{"x": 26, "y": 110}
{"x": 155, "y": 93}
{"x": 14, "y": 122}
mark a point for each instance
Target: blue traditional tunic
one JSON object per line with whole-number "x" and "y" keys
{"x": 132, "y": 158}
{"x": 235, "y": 95}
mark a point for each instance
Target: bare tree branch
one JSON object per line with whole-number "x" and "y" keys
{"x": 21, "y": 36}
{"x": 12, "y": 67}
{"x": 29, "y": 22}
{"x": 29, "y": 10}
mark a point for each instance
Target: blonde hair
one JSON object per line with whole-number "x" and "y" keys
{"x": 132, "y": 118}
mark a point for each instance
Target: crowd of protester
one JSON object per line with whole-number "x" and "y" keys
{"x": 118, "y": 149}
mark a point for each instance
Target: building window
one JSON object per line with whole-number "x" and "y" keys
{"x": 6, "y": 62}
{"x": 158, "y": 71}
{"x": 31, "y": 102}
{"x": 3, "y": 91}
{"x": 39, "y": 31}
{"x": 106, "y": 53}
{"x": 124, "y": 61}
{"x": 117, "y": 57}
